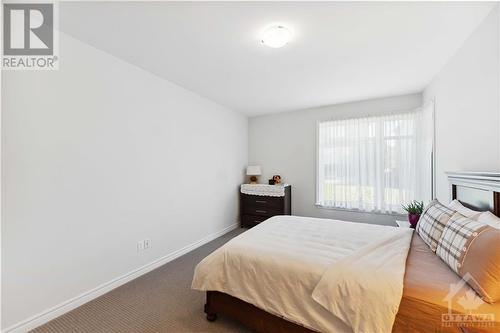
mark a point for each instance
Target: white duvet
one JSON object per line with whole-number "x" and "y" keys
{"x": 327, "y": 275}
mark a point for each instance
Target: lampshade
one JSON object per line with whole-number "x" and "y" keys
{"x": 253, "y": 170}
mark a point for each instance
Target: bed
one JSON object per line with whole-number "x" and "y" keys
{"x": 253, "y": 293}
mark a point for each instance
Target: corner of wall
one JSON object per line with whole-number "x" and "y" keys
{"x": 498, "y": 37}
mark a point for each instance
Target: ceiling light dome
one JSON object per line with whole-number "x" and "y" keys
{"x": 276, "y": 36}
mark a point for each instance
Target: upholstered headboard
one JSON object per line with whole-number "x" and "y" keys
{"x": 476, "y": 190}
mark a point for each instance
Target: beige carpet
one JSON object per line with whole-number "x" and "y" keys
{"x": 160, "y": 301}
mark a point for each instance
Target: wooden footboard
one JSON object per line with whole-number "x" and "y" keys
{"x": 249, "y": 315}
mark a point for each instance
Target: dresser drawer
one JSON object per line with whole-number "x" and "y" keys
{"x": 251, "y": 220}
{"x": 261, "y": 201}
{"x": 262, "y": 211}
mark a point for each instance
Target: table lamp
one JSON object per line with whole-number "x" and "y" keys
{"x": 253, "y": 171}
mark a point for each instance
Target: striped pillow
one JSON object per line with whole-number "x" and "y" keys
{"x": 432, "y": 223}
{"x": 472, "y": 248}
{"x": 456, "y": 239}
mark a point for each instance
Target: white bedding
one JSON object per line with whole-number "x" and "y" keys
{"x": 278, "y": 264}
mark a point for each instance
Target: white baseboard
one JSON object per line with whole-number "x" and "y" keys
{"x": 79, "y": 300}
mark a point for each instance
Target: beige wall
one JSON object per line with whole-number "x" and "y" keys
{"x": 285, "y": 144}
{"x": 467, "y": 106}
{"x": 97, "y": 156}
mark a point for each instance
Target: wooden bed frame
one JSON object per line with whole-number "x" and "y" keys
{"x": 478, "y": 191}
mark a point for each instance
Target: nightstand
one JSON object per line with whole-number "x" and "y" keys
{"x": 260, "y": 202}
{"x": 403, "y": 224}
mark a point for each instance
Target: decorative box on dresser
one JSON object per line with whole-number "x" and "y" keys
{"x": 258, "y": 202}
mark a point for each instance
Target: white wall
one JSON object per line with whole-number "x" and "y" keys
{"x": 97, "y": 156}
{"x": 467, "y": 111}
{"x": 285, "y": 144}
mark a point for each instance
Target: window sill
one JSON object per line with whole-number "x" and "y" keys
{"x": 353, "y": 210}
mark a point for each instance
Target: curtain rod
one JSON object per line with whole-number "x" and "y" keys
{"x": 374, "y": 115}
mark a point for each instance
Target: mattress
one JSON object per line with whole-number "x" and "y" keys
{"x": 277, "y": 265}
{"x": 426, "y": 298}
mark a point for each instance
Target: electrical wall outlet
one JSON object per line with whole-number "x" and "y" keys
{"x": 144, "y": 244}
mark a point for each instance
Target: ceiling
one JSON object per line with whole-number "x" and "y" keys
{"x": 340, "y": 52}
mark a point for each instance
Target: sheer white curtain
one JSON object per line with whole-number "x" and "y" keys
{"x": 368, "y": 163}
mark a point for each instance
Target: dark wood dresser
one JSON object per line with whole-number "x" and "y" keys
{"x": 257, "y": 208}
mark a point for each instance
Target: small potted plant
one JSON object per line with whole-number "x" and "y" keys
{"x": 414, "y": 209}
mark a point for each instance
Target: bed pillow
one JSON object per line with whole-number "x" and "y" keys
{"x": 457, "y": 206}
{"x": 432, "y": 222}
{"x": 490, "y": 219}
{"x": 472, "y": 249}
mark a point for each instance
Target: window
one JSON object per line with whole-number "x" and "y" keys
{"x": 367, "y": 164}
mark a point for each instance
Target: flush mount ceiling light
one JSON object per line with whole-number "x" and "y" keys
{"x": 276, "y": 36}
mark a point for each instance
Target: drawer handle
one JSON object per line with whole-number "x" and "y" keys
{"x": 260, "y": 211}
{"x": 261, "y": 201}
